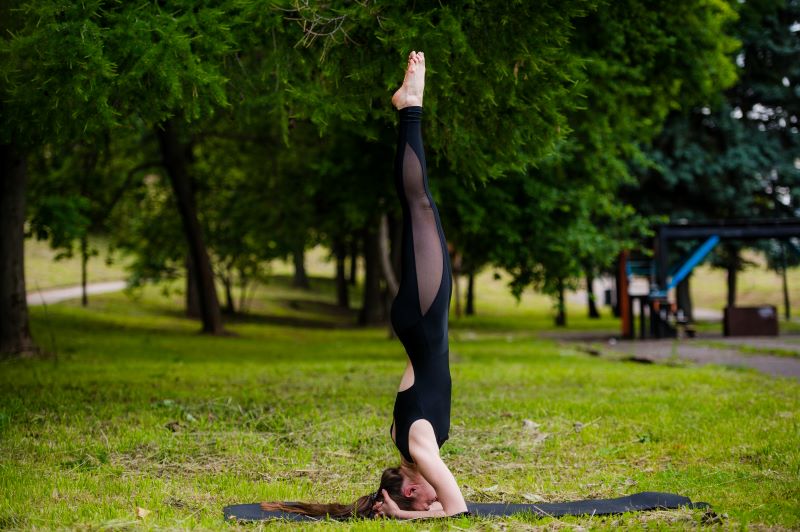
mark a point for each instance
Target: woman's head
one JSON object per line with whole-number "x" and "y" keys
{"x": 409, "y": 489}
{"x": 404, "y": 485}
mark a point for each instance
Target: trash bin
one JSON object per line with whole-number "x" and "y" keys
{"x": 750, "y": 321}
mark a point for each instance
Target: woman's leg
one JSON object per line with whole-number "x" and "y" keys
{"x": 423, "y": 249}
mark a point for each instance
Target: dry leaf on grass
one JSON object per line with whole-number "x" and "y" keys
{"x": 141, "y": 513}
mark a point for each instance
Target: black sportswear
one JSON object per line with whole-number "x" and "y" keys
{"x": 420, "y": 310}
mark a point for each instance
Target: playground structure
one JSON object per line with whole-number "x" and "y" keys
{"x": 658, "y": 316}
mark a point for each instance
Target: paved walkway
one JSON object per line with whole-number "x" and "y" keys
{"x": 46, "y": 297}
{"x": 723, "y": 351}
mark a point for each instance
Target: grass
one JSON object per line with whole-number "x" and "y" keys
{"x": 43, "y": 271}
{"x": 138, "y": 410}
{"x": 749, "y": 349}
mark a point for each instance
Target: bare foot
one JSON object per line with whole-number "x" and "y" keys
{"x": 410, "y": 93}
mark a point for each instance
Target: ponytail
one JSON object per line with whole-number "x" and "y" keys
{"x": 361, "y": 508}
{"x": 391, "y": 481}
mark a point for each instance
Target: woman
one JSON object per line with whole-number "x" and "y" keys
{"x": 422, "y": 486}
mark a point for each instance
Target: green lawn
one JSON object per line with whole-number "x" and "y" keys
{"x": 42, "y": 270}
{"x": 296, "y": 404}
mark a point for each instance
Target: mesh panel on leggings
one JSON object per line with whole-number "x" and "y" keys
{"x": 428, "y": 257}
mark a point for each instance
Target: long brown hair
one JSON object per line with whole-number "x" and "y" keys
{"x": 391, "y": 481}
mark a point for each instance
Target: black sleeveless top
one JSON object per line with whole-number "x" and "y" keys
{"x": 425, "y": 341}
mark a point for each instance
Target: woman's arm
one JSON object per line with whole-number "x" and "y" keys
{"x": 425, "y": 452}
{"x": 389, "y": 508}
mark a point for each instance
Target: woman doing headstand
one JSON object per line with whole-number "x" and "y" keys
{"x": 422, "y": 486}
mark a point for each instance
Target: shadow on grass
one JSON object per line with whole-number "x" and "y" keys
{"x": 332, "y": 316}
{"x": 317, "y": 285}
{"x": 60, "y": 321}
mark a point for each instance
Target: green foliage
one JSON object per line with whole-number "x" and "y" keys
{"x": 562, "y": 217}
{"x": 74, "y": 68}
{"x": 171, "y": 60}
{"x": 56, "y": 78}
{"x": 735, "y": 159}
{"x": 491, "y": 109}
{"x": 78, "y": 77}
{"x": 533, "y": 111}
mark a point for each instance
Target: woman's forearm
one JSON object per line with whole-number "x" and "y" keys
{"x": 420, "y": 514}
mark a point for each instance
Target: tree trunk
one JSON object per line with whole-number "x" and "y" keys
{"x": 342, "y": 295}
{"x": 84, "y": 262}
{"x": 561, "y": 311}
{"x": 732, "y": 270}
{"x": 470, "y": 310}
{"x": 457, "y": 294}
{"x": 372, "y": 306}
{"x": 456, "y": 267}
{"x": 243, "y": 285}
{"x": 300, "y": 278}
{"x": 787, "y": 308}
{"x": 386, "y": 258}
{"x": 683, "y": 295}
{"x": 173, "y": 155}
{"x": 392, "y": 286}
{"x": 396, "y": 235}
{"x": 192, "y": 298}
{"x": 591, "y": 301}
{"x": 15, "y": 335}
{"x": 353, "y": 277}
{"x": 227, "y": 283}
{"x": 353, "y": 262}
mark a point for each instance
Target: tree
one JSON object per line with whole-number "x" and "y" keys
{"x": 490, "y": 111}
{"x": 733, "y": 155}
{"x": 125, "y": 65}
{"x": 630, "y": 65}
{"x": 782, "y": 255}
{"x": 75, "y": 187}
{"x": 60, "y": 92}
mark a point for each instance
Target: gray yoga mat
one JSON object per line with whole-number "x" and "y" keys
{"x": 647, "y": 500}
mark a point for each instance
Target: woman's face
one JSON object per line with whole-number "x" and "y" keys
{"x": 421, "y": 491}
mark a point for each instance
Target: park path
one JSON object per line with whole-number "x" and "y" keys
{"x": 54, "y": 295}
{"x": 745, "y": 352}
{"x": 722, "y": 351}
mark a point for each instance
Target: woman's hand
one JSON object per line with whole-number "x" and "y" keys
{"x": 387, "y": 507}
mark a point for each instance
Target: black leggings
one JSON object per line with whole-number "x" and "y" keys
{"x": 420, "y": 310}
{"x": 425, "y": 265}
